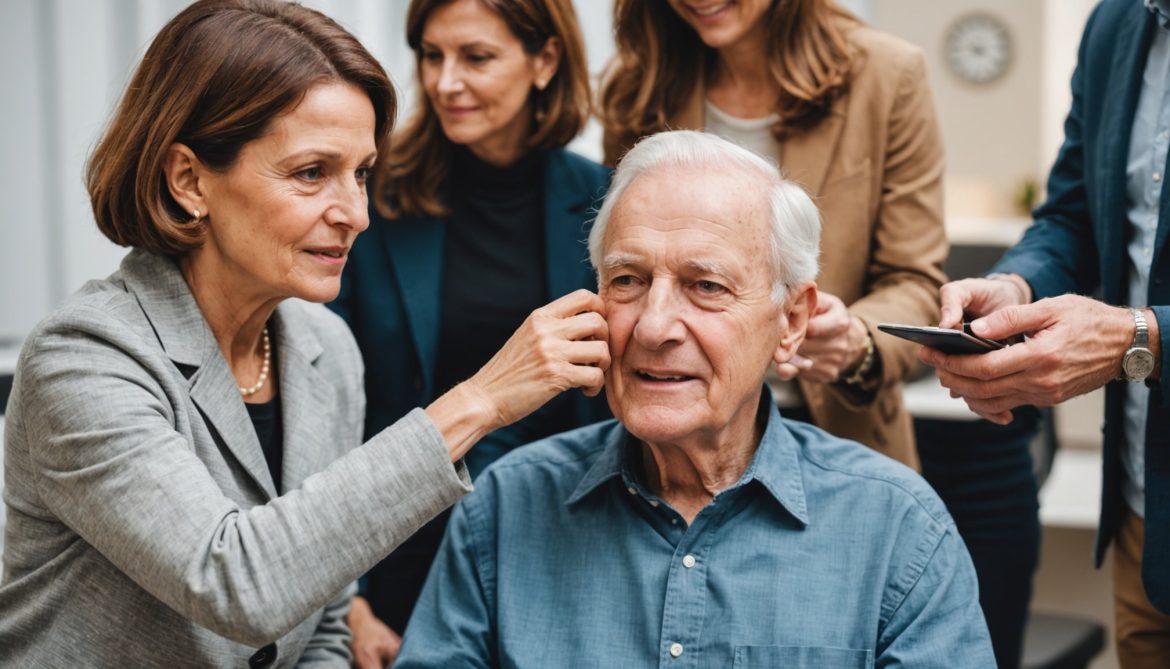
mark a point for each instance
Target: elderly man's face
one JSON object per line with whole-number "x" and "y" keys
{"x": 687, "y": 282}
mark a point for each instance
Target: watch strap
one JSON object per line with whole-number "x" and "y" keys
{"x": 1141, "y": 332}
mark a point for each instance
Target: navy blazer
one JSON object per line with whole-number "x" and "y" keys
{"x": 1077, "y": 245}
{"x": 392, "y": 287}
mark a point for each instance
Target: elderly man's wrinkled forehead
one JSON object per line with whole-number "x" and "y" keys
{"x": 728, "y": 196}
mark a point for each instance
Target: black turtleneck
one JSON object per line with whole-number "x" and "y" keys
{"x": 494, "y": 271}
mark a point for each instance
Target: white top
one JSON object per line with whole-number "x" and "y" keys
{"x": 753, "y": 134}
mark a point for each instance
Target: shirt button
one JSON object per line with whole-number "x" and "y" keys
{"x": 654, "y": 503}
{"x": 1164, "y": 135}
{"x": 689, "y": 561}
{"x": 633, "y": 490}
{"x": 1157, "y": 176}
{"x": 676, "y": 649}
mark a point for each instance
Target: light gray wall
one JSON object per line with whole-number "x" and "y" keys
{"x": 64, "y": 64}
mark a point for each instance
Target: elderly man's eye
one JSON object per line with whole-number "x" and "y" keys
{"x": 709, "y": 287}
{"x": 622, "y": 281}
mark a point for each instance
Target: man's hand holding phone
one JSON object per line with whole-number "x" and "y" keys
{"x": 1074, "y": 346}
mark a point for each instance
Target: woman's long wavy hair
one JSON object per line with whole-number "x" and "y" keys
{"x": 409, "y": 178}
{"x": 660, "y": 60}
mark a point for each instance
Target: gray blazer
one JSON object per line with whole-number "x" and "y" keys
{"x": 143, "y": 526}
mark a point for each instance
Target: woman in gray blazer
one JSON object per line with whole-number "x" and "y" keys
{"x": 185, "y": 481}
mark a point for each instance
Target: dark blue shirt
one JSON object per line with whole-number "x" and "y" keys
{"x": 823, "y": 554}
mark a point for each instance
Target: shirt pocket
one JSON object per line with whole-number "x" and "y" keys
{"x": 801, "y": 657}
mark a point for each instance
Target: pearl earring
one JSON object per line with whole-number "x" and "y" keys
{"x": 195, "y": 213}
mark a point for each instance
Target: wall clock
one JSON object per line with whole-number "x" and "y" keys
{"x": 978, "y": 48}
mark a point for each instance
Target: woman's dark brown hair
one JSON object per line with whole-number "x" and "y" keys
{"x": 214, "y": 78}
{"x": 409, "y": 178}
{"x": 660, "y": 60}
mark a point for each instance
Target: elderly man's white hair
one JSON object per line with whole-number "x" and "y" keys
{"x": 795, "y": 224}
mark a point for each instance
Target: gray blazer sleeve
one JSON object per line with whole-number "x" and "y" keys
{"x": 331, "y": 641}
{"x": 111, "y": 454}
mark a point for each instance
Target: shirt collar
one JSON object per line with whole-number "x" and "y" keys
{"x": 775, "y": 465}
{"x": 1161, "y": 9}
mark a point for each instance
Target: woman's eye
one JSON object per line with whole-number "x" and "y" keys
{"x": 432, "y": 56}
{"x": 310, "y": 174}
{"x": 478, "y": 58}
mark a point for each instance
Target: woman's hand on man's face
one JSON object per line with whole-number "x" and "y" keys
{"x": 562, "y": 345}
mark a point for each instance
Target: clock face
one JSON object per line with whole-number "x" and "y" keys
{"x": 979, "y": 48}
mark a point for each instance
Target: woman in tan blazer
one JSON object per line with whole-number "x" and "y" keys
{"x": 845, "y": 110}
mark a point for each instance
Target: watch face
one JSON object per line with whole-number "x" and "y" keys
{"x": 1137, "y": 364}
{"x": 978, "y": 48}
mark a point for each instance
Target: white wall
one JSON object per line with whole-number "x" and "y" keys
{"x": 999, "y": 134}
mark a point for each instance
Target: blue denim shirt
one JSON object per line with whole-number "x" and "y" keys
{"x": 823, "y": 554}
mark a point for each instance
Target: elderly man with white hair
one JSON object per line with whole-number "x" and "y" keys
{"x": 700, "y": 528}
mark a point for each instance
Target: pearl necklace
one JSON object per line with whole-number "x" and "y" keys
{"x": 252, "y": 390}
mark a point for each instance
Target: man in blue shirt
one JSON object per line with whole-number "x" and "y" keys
{"x": 700, "y": 529}
{"x": 1103, "y": 227}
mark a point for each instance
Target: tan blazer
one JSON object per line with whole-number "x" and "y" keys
{"x": 875, "y": 168}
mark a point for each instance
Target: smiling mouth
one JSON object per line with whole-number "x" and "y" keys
{"x": 709, "y": 11}
{"x": 675, "y": 378}
{"x": 328, "y": 254}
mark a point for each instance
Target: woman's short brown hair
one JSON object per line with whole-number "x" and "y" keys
{"x": 214, "y": 78}
{"x": 409, "y": 178}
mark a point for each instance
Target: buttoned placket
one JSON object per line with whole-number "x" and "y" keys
{"x": 1158, "y": 155}
{"x": 685, "y": 600}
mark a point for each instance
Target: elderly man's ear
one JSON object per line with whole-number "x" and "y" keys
{"x": 796, "y": 312}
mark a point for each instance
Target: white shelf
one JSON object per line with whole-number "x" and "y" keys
{"x": 926, "y": 398}
{"x": 1071, "y": 497}
{"x": 986, "y": 231}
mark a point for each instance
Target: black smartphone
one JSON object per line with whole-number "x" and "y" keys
{"x": 944, "y": 339}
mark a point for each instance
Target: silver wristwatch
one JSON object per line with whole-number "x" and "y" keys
{"x": 1138, "y": 362}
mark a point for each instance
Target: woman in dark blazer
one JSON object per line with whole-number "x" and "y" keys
{"x": 477, "y": 214}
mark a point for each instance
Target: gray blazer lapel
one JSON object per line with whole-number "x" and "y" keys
{"x": 308, "y": 400}
{"x": 183, "y": 333}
